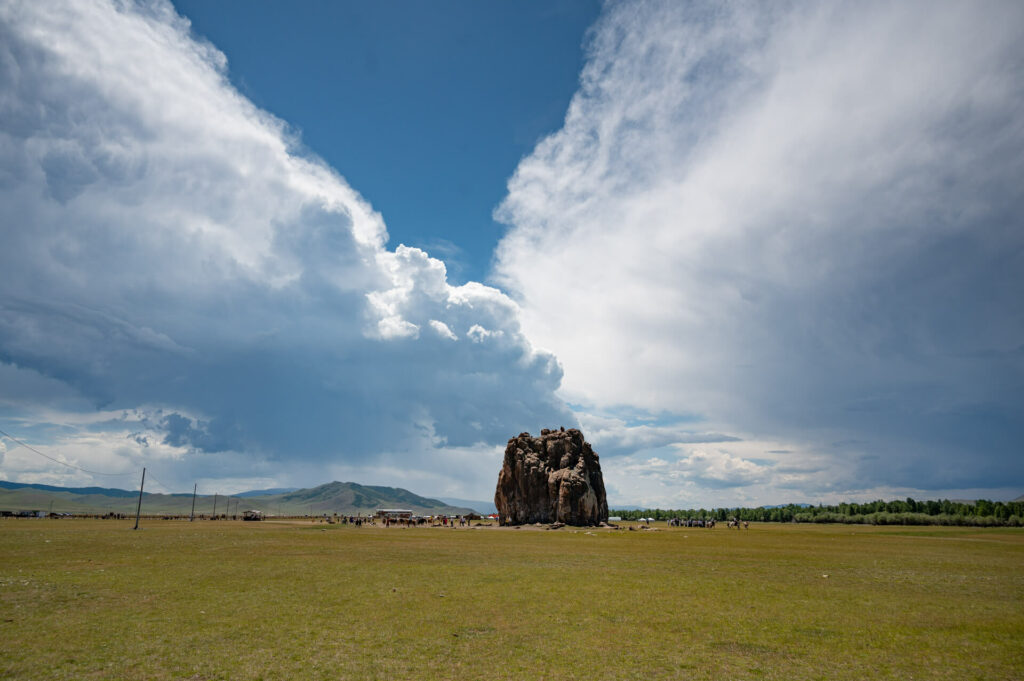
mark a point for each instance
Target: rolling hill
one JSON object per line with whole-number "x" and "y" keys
{"x": 346, "y": 498}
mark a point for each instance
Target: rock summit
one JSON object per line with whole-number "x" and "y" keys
{"x": 552, "y": 478}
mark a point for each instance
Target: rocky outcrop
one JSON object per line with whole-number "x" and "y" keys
{"x": 552, "y": 478}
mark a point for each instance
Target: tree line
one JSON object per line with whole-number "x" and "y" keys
{"x": 980, "y": 513}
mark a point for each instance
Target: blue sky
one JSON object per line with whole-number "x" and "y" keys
{"x": 426, "y": 108}
{"x": 758, "y": 254}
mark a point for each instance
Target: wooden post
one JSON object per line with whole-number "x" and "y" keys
{"x": 138, "y": 509}
{"x": 192, "y": 516}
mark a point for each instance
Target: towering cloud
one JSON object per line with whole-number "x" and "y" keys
{"x": 801, "y": 226}
{"x": 775, "y": 249}
{"x": 181, "y": 284}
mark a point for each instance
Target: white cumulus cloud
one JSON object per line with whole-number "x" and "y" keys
{"x": 801, "y": 223}
{"x": 168, "y": 249}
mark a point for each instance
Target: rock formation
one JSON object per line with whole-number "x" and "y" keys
{"x": 552, "y": 478}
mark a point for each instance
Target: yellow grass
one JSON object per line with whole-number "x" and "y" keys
{"x": 231, "y": 600}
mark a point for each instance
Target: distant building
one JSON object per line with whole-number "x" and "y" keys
{"x": 252, "y": 515}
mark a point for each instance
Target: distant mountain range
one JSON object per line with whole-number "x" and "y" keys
{"x": 266, "y": 492}
{"x": 335, "y": 497}
{"x": 481, "y": 507}
{"x": 104, "y": 491}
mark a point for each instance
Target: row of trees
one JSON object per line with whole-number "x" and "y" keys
{"x": 981, "y": 513}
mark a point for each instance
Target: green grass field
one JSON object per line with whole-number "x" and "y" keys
{"x": 230, "y": 600}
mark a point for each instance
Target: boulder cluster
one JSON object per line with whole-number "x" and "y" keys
{"x": 554, "y": 478}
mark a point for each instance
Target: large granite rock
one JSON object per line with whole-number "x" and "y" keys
{"x": 552, "y": 478}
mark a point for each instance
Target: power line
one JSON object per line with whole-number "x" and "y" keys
{"x": 167, "y": 490}
{"x": 62, "y": 463}
{"x": 29, "y": 447}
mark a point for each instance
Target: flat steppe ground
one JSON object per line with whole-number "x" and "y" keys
{"x": 93, "y": 599}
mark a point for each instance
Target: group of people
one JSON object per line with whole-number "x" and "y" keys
{"x": 389, "y": 521}
{"x": 433, "y": 521}
{"x": 710, "y": 522}
{"x": 691, "y": 522}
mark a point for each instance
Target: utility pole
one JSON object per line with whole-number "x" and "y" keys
{"x": 192, "y": 516}
{"x": 214, "y": 505}
{"x": 138, "y": 509}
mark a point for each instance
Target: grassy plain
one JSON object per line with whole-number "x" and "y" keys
{"x": 230, "y": 600}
